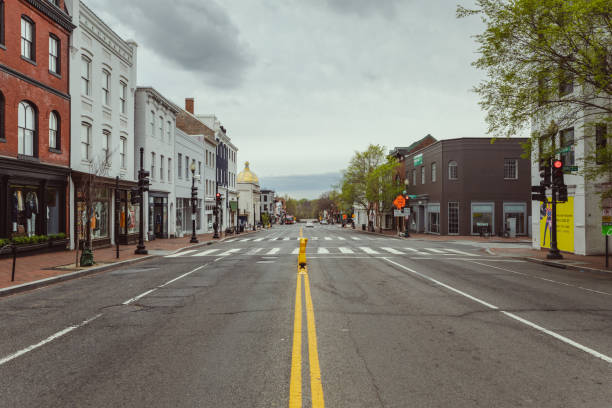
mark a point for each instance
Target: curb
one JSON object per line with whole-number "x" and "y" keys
{"x": 560, "y": 265}
{"x": 24, "y": 287}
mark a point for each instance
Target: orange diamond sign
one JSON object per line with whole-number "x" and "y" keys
{"x": 399, "y": 202}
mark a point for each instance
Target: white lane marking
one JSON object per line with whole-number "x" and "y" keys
{"x": 127, "y": 302}
{"x": 258, "y": 239}
{"x": 322, "y": 250}
{"x": 345, "y": 250}
{"x": 49, "y": 339}
{"x": 273, "y": 251}
{"x": 245, "y": 239}
{"x": 314, "y": 238}
{"x": 435, "y": 250}
{"x": 204, "y": 253}
{"x": 340, "y": 238}
{"x": 328, "y": 239}
{"x": 560, "y": 337}
{"x": 356, "y": 239}
{"x": 511, "y": 315}
{"x": 266, "y": 262}
{"x": 460, "y": 252}
{"x": 295, "y": 251}
{"x": 417, "y": 252}
{"x": 368, "y": 250}
{"x": 181, "y": 277}
{"x": 273, "y": 239}
{"x": 254, "y": 251}
{"x": 231, "y": 240}
{"x": 180, "y": 253}
{"x": 230, "y": 251}
{"x": 392, "y": 251}
{"x": 286, "y": 239}
{"x": 533, "y": 276}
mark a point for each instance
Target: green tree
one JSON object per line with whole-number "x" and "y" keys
{"x": 545, "y": 60}
{"x": 355, "y": 177}
{"x": 382, "y": 187}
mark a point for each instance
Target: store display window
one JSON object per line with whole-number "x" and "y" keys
{"x": 25, "y": 210}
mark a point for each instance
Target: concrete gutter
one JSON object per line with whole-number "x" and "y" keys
{"x": 24, "y": 287}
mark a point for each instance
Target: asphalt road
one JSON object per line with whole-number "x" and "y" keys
{"x": 380, "y": 322}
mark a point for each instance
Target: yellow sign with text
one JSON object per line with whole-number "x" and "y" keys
{"x": 565, "y": 225}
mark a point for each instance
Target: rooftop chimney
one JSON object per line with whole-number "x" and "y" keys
{"x": 189, "y": 105}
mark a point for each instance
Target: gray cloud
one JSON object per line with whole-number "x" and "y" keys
{"x": 197, "y": 36}
{"x": 387, "y": 8}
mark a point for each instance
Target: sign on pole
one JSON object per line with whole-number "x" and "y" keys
{"x": 399, "y": 202}
{"x": 606, "y": 222}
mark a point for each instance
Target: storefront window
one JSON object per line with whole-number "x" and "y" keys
{"x": 53, "y": 211}
{"x": 99, "y": 215}
{"x": 25, "y": 211}
{"x": 482, "y": 218}
{"x": 516, "y": 212}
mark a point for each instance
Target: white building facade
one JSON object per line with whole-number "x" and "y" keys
{"x": 155, "y": 125}
{"x": 103, "y": 70}
{"x": 249, "y": 198}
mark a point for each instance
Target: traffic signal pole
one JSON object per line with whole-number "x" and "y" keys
{"x": 554, "y": 250}
{"x": 140, "y": 249}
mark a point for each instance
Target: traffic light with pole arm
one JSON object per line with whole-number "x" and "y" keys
{"x": 557, "y": 173}
{"x": 545, "y": 172}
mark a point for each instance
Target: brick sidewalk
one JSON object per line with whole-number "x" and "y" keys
{"x": 40, "y": 266}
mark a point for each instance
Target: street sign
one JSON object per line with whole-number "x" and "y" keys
{"x": 606, "y": 222}
{"x": 344, "y": 216}
{"x": 565, "y": 149}
{"x": 412, "y": 196}
{"x": 568, "y": 169}
{"x": 399, "y": 202}
{"x": 398, "y": 213}
{"x": 418, "y": 159}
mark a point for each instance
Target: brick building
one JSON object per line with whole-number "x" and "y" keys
{"x": 34, "y": 117}
{"x": 468, "y": 185}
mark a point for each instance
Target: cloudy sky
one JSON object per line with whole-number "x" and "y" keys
{"x": 301, "y": 84}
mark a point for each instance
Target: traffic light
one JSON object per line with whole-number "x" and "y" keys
{"x": 545, "y": 172}
{"x": 218, "y": 197}
{"x": 538, "y": 193}
{"x": 562, "y": 194}
{"x": 143, "y": 179}
{"x": 557, "y": 173}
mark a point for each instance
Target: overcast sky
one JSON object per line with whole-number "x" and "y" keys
{"x": 301, "y": 84}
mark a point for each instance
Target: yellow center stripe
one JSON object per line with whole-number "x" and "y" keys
{"x": 316, "y": 388}
{"x": 295, "y": 386}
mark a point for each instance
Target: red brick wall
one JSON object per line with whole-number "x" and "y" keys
{"x": 16, "y": 89}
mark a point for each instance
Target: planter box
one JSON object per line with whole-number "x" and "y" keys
{"x": 49, "y": 246}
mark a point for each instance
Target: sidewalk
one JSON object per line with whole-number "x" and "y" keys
{"x": 36, "y": 267}
{"x": 595, "y": 263}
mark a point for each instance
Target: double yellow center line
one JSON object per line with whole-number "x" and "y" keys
{"x": 295, "y": 386}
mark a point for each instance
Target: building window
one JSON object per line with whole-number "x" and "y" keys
{"x": 453, "y": 173}
{"x": 510, "y": 169}
{"x": 422, "y": 174}
{"x": 85, "y": 75}
{"x": 123, "y": 98}
{"x": 161, "y": 128}
{"x": 434, "y": 172}
{"x": 566, "y": 84}
{"x": 106, "y": 142}
{"x": 2, "y": 136}
{"x": 123, "y": 152}
{"x": 85, "y": 141}
{"x": 161, "y": 168}
{"x": 169, "y": 132}
{"x": 27, "y": 39}
{"x": 453, "y": 218}
{"x": 152, "y": 123}
{"x": 106, "y": 86}
{"x": 601, "y": 142}
{"x": 200, "y": 170}
{"x": 179, "y": 161}
{"x": 186, "y": 167}
{"x": 483, "y": 218}
{"x": 567, "y": 140}
{"x": 2, "y": 22}
{"x": 54, "y": 128}
{"x": 169, "y": 170}
{"x": 152, "y": 166}
{"x": 27, "y": 129}
{"x": 414, "y": 177}
{"x": 54, "y": 53}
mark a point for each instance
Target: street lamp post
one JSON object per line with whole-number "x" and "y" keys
{"x": 254, "y": 227}
{"x": 237, "y": 213}
{"x": 194, "y": 204}
{"x": 143, "y": 185}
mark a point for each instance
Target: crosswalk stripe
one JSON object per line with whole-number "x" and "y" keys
{"x": 204, "y": 253}
{"x": 417, "y": 252}
{"x": 340, "y": 238}
{"x": 393, "y": 251}
{"x": 322, "y": 251}
{"x": 461, "y": 252}
{"x": 295, "y": 251}
{"x": 273, "y": 239}
{"x": 328, "y": 239}
{"x": 356, "y": 239}
{"x": 258, "y": 239}
{"x": 254, "y": 251}
{"x": 435, "y": 251}
{"x": 230, "y": 251}
{"x": 368, "y": 250}
{"x": 345, "y": 250}
{"x": 313, "y": 238}
{"x": 232, "y": 240}
{"x": 273, "y": 251}
{"x": 180, "y": 253}
{"x": 245, "y": 239}
{"x": 286, "y": 239}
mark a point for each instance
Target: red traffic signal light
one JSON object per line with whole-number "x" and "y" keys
{"x": 218, "y": 196}
{"x": 557, "y": 174}
{"x": 558, "y": 164}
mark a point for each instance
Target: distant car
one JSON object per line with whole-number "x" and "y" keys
{"x": 309, "y": 224}
{"x": 323, "y": 222}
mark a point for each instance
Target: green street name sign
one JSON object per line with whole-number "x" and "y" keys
{"x": 568, "y": 169}
{"x": 565, "y": 149}
{"x": 418, "y": 159}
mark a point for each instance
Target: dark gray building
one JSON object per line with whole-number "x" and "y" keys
{"x": 465, "y": 186}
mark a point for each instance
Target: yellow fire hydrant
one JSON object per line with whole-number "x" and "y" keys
{"x": 302, "y": 255}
